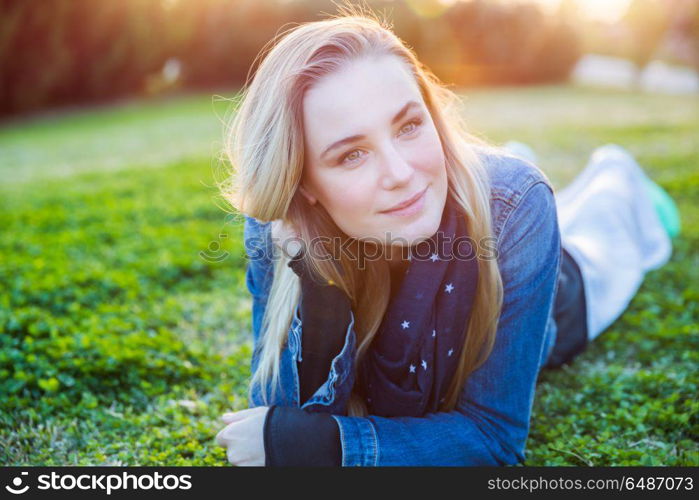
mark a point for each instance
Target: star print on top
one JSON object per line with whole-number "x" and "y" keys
{"x": 407, "y": 337}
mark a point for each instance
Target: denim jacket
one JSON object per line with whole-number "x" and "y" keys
{"x": 490, "y": 423}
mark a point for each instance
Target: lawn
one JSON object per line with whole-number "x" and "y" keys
{"x": 122, "y": 345}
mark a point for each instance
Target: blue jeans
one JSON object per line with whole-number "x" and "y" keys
{"x": 569, "y": 315}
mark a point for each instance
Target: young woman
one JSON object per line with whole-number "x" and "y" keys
{"x": 409, "y": 280}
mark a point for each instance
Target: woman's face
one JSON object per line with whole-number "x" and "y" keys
{"x": 371, "y": 145}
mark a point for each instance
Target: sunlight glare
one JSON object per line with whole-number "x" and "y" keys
{"x": 598, "y": 10}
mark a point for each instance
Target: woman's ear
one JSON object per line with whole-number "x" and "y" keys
{"x": 311, "y": 199}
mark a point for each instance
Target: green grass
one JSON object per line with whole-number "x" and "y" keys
{"x": 120, "y": 345}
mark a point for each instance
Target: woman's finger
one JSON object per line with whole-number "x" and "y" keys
{"x": 220, "y": 441}
{"x": 238, "y": 415}
{"x": 232, "y": 417}
{"x": 222, "y": 438}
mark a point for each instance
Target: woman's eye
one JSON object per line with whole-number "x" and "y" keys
{"x": 349, "y": 157}
{"x": 416, "y": 123}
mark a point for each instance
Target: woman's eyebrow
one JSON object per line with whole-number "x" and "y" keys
{"x": 398, "y": 116}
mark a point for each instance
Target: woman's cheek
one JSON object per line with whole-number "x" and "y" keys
{"x": 428, "y": 158}
{"x": 358, "y": 202}
{"x": 348, "y": 202}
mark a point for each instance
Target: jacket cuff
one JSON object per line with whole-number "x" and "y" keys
{"x": 360, "y": 447}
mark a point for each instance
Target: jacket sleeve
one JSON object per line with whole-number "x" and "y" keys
{"x": 491, "y": 421}
{"x": 259, "y": 271}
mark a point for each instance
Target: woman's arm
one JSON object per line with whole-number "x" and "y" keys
{"x": 295, "y": 436}
{"x": 491, "y": 421}
{"x": 332, "y": 394}
{"x": 325, "y": 314}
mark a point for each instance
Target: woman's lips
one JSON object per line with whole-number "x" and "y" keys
{"x": 412, "y": 207}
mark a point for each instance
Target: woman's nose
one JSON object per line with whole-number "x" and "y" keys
{"x": 395, "y": 171}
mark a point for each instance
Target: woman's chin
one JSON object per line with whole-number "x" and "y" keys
{"x": 408, "y": 231}
{"x": 420, "y": 230}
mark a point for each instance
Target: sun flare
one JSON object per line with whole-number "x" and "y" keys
{"x": 599, "y": 10}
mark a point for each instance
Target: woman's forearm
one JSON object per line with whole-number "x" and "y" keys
{"x": 325, "y": 314}
{"x": 294, "y": 436}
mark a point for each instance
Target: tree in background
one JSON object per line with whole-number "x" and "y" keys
{"x": 55, "y": 52}
{"x": 648, "y": 22}
{"x": 681, "y": 44}
{"x": 64, "y": 51}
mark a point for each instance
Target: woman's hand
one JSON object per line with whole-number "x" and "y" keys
{"x": 244, "y": 436}
{"x": 285, "y": 236}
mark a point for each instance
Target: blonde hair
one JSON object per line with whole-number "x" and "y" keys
{"x": 265, "y": 147}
